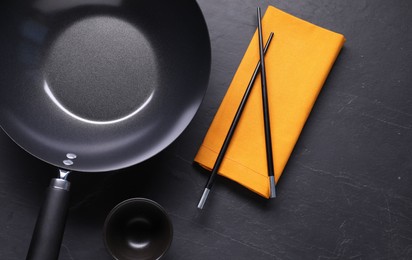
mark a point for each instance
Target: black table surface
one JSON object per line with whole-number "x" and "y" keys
{"x": 346, "y": 192}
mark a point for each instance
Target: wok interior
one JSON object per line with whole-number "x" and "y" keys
{"x": 121, "y": 80}
{"x": 113, "y": 82}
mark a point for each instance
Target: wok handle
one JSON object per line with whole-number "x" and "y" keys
{"x": 48, "y": 232}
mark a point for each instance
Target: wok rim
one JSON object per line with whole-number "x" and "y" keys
{"x": 149, "y": 152}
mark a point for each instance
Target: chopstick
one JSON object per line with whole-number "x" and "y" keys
{"x": 268, "y": 138}
{"x": 231, "y": 131}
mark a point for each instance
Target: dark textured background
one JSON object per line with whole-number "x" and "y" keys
{"x": 346, "y": 192}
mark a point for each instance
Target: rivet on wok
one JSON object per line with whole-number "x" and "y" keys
{"x": 68, "y": 162}
{"x": 71, "y": 156}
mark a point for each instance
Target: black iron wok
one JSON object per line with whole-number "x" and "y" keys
{"x": 97, "y": 85}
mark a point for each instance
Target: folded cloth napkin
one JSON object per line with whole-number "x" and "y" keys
{"x": 298, "y": 61}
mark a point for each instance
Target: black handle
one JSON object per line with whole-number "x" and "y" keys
{"x": 48, "y": 232}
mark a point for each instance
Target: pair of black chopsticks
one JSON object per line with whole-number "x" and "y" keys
{"x": 269, "y": 154}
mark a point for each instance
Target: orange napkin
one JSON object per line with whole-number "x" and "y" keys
{"x": 298, "y": 61}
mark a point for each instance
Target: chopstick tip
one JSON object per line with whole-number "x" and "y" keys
{"x": 203, "y": 198}
{"x": 272, "y": 185}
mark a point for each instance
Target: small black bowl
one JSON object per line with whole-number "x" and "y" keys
{"x": 138, "y": 228}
